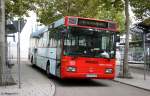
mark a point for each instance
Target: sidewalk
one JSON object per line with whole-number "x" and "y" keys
{"x": 138, "y": 66}
{"x": 137, "y": 80}
{"x": 33, "y": 83}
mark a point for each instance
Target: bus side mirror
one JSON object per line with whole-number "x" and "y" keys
{"x": 117, "y": 39}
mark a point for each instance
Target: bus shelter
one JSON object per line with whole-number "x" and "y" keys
{"x": 136, "y": 52}
{"x": 146, "y": 42}
{"x": 147, "y": 48}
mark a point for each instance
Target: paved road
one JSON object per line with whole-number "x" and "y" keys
{"x": 88, "y": 87}
{"x": 95, "y": 88}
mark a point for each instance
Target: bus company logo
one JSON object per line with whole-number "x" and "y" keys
{"x": 72, "y": 62}
{"x": 102, "y": 64}
{"x": 91, "y": 69}
{"x": 106, "y": 65}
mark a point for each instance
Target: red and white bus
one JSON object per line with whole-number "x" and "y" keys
{"x": 76, "y": 47}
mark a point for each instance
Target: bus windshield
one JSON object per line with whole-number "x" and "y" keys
{"x": 88, "y": 42}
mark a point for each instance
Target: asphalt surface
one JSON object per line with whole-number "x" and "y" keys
{"x": 72, "y": 87}
{"x": 95, "y": 88}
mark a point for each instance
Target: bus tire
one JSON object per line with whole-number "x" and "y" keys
{"x": 32, "y": 61}
{"x": 48, "y": 69}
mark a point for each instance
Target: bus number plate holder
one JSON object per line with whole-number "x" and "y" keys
{"x": 91, "y": 75}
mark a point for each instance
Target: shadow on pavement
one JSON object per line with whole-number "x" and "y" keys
{"x": 37, "y": 69}
{"x": 78, "y": 83}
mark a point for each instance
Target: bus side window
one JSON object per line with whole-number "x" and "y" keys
{"x": 52, "y": 40}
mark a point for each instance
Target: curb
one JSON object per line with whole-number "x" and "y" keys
{"x": 53, "y": 89}
{"x": 132, "y": 85}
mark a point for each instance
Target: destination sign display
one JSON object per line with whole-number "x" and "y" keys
{"x": 92, "y": 23}
{"x": 74, "y": 21}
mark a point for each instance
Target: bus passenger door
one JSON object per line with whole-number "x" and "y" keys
{"x": 34, "y": 58}
{"x": 53, "y": 61}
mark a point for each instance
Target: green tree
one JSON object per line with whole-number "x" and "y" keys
{"x": 141, "y": 8}
{"x": 8, "y": 10}
{"x": 52, "y": 10}
{"x": 112, "y": 10}
{"x": 126, "y": 73}
{"x": 18, "y": 8}
{"x": 2, "y": 42}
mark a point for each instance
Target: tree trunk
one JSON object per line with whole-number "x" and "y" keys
{"x": 126, "y": 73}
{"x": 2, "y": 42}
{"x": 5, "y": 72}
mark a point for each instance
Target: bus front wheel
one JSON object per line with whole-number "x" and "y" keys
{"x": 48, "y": 69}
{"x": 32, "y": 60}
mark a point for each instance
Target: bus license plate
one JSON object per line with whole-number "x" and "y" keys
{"x": 91, "y": 75}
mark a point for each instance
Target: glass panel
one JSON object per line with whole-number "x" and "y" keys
{"x": 89, "y": 43}
{"x": 105, "y": 42}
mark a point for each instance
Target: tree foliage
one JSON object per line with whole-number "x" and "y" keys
{"x": 59, "y": 8}
{"x": 15, "y": 8}
{"x": 141, "y": 8}
{"x": 112, "y": 11}
{"x": 51, "y": 10}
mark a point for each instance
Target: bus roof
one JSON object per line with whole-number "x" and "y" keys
{"x": 85, "y": 22}
{"x": 65, "y": 21}
{"x": 89, "y": 19}
{"x": 37, "y": 33}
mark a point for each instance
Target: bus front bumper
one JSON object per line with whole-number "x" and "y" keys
{"x": 87, "y": 75}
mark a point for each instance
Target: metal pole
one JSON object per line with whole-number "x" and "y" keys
{"x": 144, "y": 57}
{"x": 18, "y": 53}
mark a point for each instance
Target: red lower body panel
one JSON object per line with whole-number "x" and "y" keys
{"x": 87, "y": 68}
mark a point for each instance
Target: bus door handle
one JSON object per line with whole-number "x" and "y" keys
{"x": 51, "y": 52}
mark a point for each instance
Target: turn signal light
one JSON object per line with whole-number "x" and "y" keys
{"x": 109, "y": 71}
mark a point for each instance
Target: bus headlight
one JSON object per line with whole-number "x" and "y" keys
{"x": 109, "y": 70}
{"x": 71, "y": 69}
